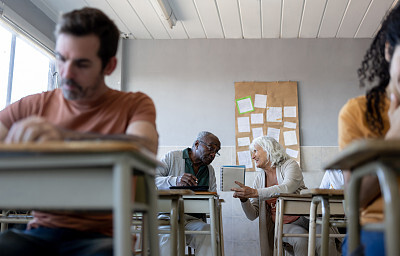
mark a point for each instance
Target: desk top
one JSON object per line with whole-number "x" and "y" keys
{"x": 205, "y": 193}
{"x": 59, "y": 147}
{"x": 324, "y": 192}
{"x": 291, "y": 195}
{"x": 168, "y": 192}
{"x": 363, "y": 151}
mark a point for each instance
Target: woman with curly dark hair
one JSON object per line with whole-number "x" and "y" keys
{"x": 374, "y": 116}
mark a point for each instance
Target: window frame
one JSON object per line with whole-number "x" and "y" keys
{"x": 17, "y": 31}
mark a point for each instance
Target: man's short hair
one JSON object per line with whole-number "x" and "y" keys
{"x": 90, "y": 21}
{"x": 202, "y": 135}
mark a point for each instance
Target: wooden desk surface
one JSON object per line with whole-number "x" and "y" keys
{"x": 319, "y": 191}
{"x": 205, "y": 193}
{"x": 291, "y": 195}
{"x": 54, "y": 147}
{"x": 168, "y": 192}
{"x": 362, "y": 151}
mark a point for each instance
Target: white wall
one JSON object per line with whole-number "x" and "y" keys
{"x": 192, "y": 82}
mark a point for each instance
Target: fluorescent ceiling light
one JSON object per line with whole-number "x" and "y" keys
{"x": 162, "y": 7}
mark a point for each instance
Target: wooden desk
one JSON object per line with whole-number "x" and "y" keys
{"x": 81, "y": 176}
{"x": 208, "y": 203}
{"x": 323, "y": 196}
{"x": 298, "y": 205}
{"x": 378, "y": 157}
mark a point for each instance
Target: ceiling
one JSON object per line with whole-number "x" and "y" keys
{"x": 236, "y": 19}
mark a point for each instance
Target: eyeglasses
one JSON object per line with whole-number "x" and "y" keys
{"x": 210, "y": 148}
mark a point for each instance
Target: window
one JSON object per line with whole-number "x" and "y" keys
{"x": 25, "y": 69}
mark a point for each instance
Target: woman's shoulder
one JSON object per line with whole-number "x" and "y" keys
{"x": 290, "y": 161}
{"x": 355, "y": 103}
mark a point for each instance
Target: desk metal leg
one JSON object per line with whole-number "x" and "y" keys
{"x": 122, "y": 209}
{"x": 312, "y": 227}
{"x": 174, "y": 225}
{"x": 181, "y": 229}
{"x": 4, "y": 226}
{"x": 220, "y": 230}
{"x": 152, "y": 216}
{"x": 213, "y": 225}
{"x": 325, "y": 225}
{"x": 278, "y": 250}
{"x": 326, "y": 215}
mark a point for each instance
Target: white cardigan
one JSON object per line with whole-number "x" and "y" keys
{"x": 174, "y": 166}
{"x": 290, "y": 180}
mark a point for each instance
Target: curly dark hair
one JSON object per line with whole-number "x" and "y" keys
{"x": 374, "y": 71}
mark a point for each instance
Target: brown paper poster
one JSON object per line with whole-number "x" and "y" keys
{"x": 266, "y": 108}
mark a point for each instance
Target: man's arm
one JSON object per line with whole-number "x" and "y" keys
{"x": 3, "y": 131}
{"x": 37, "y": 129}
{"x": 147, "y": 133}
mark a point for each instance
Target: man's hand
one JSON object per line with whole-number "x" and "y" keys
{"x": 186, "y": 179}
{"x": 244, "y": 192}
{"x": 394, "y": 118}
{"x": 33, "y": 129}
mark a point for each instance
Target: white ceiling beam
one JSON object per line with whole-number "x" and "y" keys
{"x": 209, "y": 17}
{"x": 271, "y": 11}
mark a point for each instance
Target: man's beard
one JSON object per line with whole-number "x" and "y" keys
{"x": 71, "y": 95}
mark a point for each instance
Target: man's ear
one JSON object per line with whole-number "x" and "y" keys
{"x": 388, "y": 56}
{"x": 110, "y": 67}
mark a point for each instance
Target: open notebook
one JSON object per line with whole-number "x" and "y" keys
{"x": 230, "y": 174}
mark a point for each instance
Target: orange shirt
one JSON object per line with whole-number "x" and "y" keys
{"x": 353, "y": 126}
{"x": 110, "y": 114}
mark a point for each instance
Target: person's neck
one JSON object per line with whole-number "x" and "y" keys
{"x": 270, "y": 170}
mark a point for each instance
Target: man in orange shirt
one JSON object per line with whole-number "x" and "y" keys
{"x": 83, "y": 108}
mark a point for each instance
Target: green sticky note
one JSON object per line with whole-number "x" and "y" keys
{"x": 244, "y": 105}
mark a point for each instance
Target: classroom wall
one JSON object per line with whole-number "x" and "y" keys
{"x": 192, "y": 81}
{"x": 192, "y": 85}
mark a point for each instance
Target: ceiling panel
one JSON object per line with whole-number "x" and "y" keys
{"x": 150, "y": 19}
{"x": 209, "y": 17}
{"x": 230, "y": 18}
{"x": 235, "y": 19}
{"x": 292, "y": 12}
{"x": 271, "y": 11}
{"x": 177, "y": 31}
{"x": 332, "y": 17}
{"x": 250, "y": 12}
{"x": 372, "y": 18}
{"x": 186, "y": 12}
{"x": 311, "y": 19}
{"x": 352, "y": 18}
{"x": 129, "y": 17}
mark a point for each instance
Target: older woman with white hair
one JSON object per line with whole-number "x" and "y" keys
{"x": 280, "y": 174}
